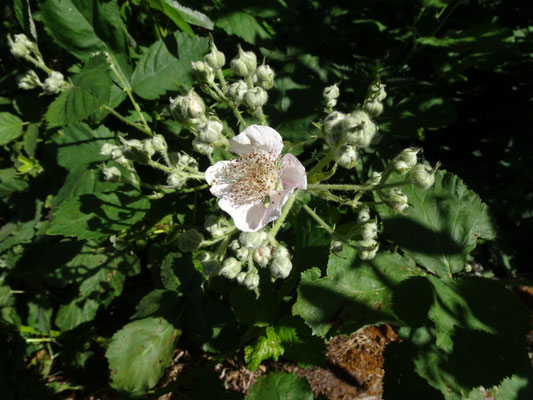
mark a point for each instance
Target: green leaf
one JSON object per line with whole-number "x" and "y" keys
{"x": 139, "y": 353}
{"x": 79, "y": 181}
{"x": 90, "y": 89}
{"x": 113, "y": 209}
{"x": 10, "y": 127}
{"x": 191, "y": 16}
{"x": 75, "y": 313}
{"x": 242, "y": 25}
{"x": 83, "y": 27}
{"x": 79, "y": 145}
{"x": 168, "y": 277}
{"x": 280, "y": 386}
{"x": 355, "y": 293}
{"x": 300, "y": 346}
{"x": 10, "y": 182}
{"x": 157, "y": 303}
{"x": 443, "y": 227}
{"x": 173, "y": 13}
{"x": 266, "y": 346}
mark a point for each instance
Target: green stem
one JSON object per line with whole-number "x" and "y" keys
{"x": 277, "y": 225}
{"x": 127, "y": 88}
{"x": 221, "y": 78}
{"x": 168, "y": 170}
{"x": 321, "y": 164}
{"x": 125, "y": 120}
{"x": 320, "y": 221}
{"x": 263, "y": 119}
{"x": 345, "y": 187}
{"x": 38, "y": 64}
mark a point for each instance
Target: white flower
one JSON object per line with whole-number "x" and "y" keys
{"x": 259, "y": 176}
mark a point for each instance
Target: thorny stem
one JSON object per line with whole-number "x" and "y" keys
{"x": 229, "y": 102}
{"x": 221, "y": 78}
{"x": 38, "y": 64}
{"x": 277, "y": 225}
{"x": 125, "y": 120}
{"x": 320, "y": 221}
{"x": 127, "y": 88}
{"x": 164, "y": 168}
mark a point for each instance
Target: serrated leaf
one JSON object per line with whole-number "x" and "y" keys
{"x": 168, "y": 277}
{"x": 11, "y": 182}
{"x": 191, "y": 16}
{"x": 157, "y": 303}
{"x": 243, "y": 25}
{"x": 115, "y": 208}
{"x": 139, "y": 353}
{"x": 173, "y": 13}
{"x": 83, "y": 28}
{"x": 355, "y": 293}
{"x": 299, "y": 344}
{"x": 89, "y": 90}
{"x": 280, "y": 386}
{"x": 266, "y": 346}
{"x": 79, "y": 145}
{"x": 443, "y": 227}
{"x": 10, "y": 127}
{"x": 75, "y": 313}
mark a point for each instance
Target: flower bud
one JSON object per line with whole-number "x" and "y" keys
{"x": 255, "y": 98}
{"x": 397, "y": 200}
{"x": 262, "y": 256}
{"x": 215, "y": 58}
{"x": 253, "y": 240}
{"x": 108, "y": 148}
{"x": 159, "y": 143}
{"x": 374, "y": 108}
{"x": 202, "y": 71}
{"x": 336, "y": 246}
{"x": 280, "y": 267}
{"x": 363, "y": 215}
{"x": 202, "y": 147}
{"x": 236, "y": 91}
{"x": 241, "y": 277}
{"x": 54, "y": 84}
{"x": 190, "y": 240}
{"x": 234, "y": 245}
{"x": 359, "y": 130}
{"x": 377, "y": 92}
{"x": 332, "y": 127}
{"x": 134, "y": 150}
{"x": 375, "y": 179}
{"x": 406, "y": 160}
{"x": 175, "y": 181}
{"x": 242, "y": 253}
{"x": 111, "y": 173}
{"x": 367, "y": 249}
{"x": 230, "y": 268}
{"x": 30, "y": 80}
{"x": 210, "y": 131}
{"x": 346, "y": 156}
{"x": 148, "y": 148}
{"x": 423, "y": 176}
{"x": 213, "y": 225}
{"x": 244, "y": 64}
{"x": 265, "y": 77}
{"x": 188, "y": 107}
{"x": 21, "y": 46}
{"x": 331, "y": 92}
{"x": 369, "y": 230}
{"x": 251, "y": 280}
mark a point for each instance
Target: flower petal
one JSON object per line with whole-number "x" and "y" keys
{"x": 277, "y": 201}
{"x": 215, "y": 176}
{"x": 293, "y": 172}
{"x": 246, "y": 217}
{"x": 257, "y": 139}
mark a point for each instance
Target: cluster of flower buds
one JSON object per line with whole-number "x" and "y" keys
{"x": 55, "y": 83}
{"x": 367, "y": 234}
{"x": 331, "y": 94}
{"x": 254, "y": 248}
{"x": 20, "y": 46}
{"x": 374, "y": 100}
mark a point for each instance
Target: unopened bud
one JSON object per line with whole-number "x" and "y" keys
{"x": 236, "y": 91}
{"x": 423, "y": 176}
{"x": 244, "y": 64}
{"x": 251, "y": 280}
{"x": 377, "y": 92}
{"x": 202, "y": 147}
{"x": 253, "y": 240}
{"x": 111, "y": 173}
{"x": 230, "y": 268}
{"x": 213, "y": 225}
{"x": 175, "y": 181}
{"x": 234, "y": 245}
{"x": 332, "y": 127}
{"x": 265, "y": 77}
{"x": 330, "y": 94}
{"x": 55, "y": 83}
{"x": 262, "y": 256}
{"x": 375, "y": 179}
{"x": 107, "y": 149}
{"x": 359, "y": 129}
{"x": 159, "y": 143}
{"x": 398, "y": 201}
{"x": 363, "y": 215}
{"x": 374, "y": 108}
{"x": 190, "y": 240}
{"x": 188, "y": 107}
{"x": 215, "y": 58}
{"x": 280, "y": 267}
{"x": 148, "y": 148}
{"x": 242, "y": 253}
{"x": 347, "y": 156}
{"x": 367, "y": 249}
{"x": 134, "y": 150}
{"x": 369, "y": 230}
{"x": 202, "y": 71}
{"x": 406, "y": 160}
{"x": 30, "y": 80}
{"x": 336, "y": 246}
{"x": 255, "y": 98}
{"x": 21, "y": 46}
{"x": 210, "y": 131}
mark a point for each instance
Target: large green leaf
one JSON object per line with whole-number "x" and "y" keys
{"x": 85, "y": 27}
{"x": 443, "y": 226}
{"x": 266, "y": 346}
{"x": 89, "y": 90}
{"x": 113, "y": 209}
{"x": 179, "y": 13}
{"x": 280, "y": 386}
{"x": 139, "y": 353}
{"x": 10, "y": 127}
{"x": 75, "y": 313}
{"x": 243, "y": 25}
{"x": 355, "y": 293}
{"x": 79, "y": 145}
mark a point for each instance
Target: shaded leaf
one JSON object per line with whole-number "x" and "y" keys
{"x": 243, "y": 25}
{"x": 280, "y": 386}
{"x": 10, "y": 127}
{"x": 267, "y": 346}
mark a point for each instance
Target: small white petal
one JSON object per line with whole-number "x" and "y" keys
{"x": 246, "y": 217}
{"x": 258, "y": 139}
{"x": 293, "y": 172}
{"x": 277, "y": 201}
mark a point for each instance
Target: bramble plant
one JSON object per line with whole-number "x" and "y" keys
{"x": 165, "y": 187}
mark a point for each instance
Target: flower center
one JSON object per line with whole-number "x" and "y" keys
{"x": 252, "y": 177}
